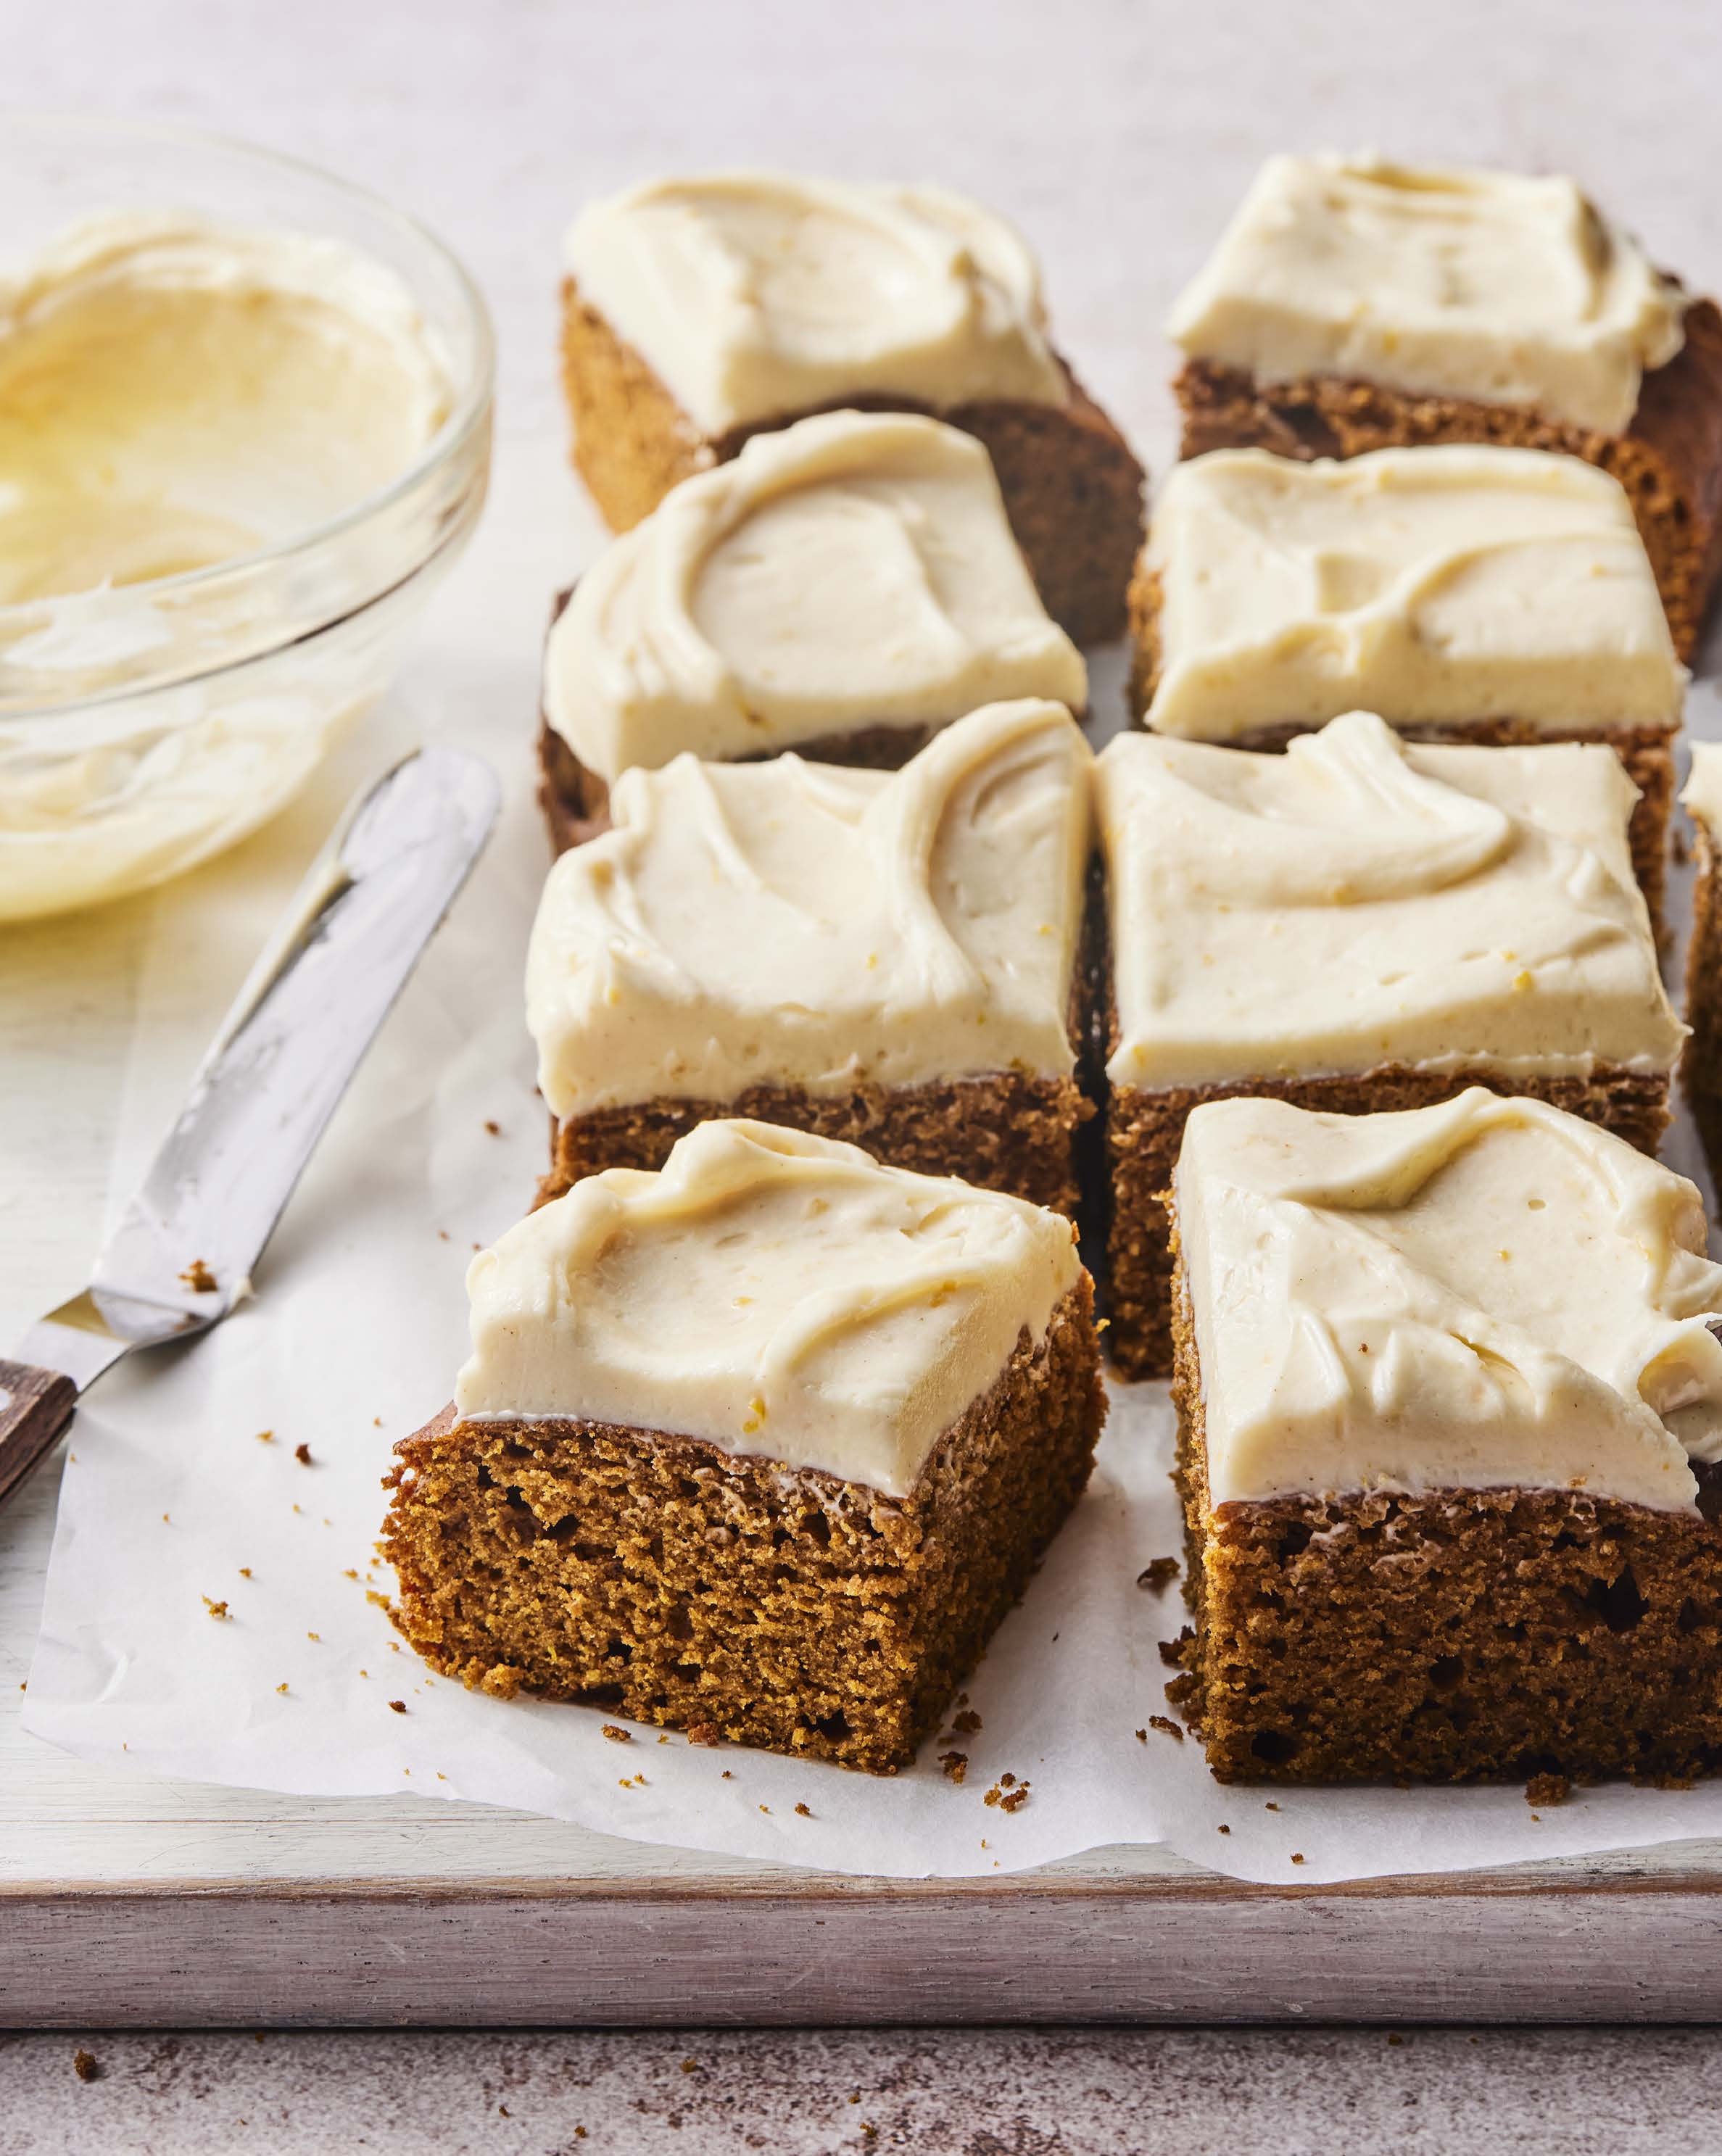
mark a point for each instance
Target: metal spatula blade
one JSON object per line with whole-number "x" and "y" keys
{"x": 182, "y": 1252}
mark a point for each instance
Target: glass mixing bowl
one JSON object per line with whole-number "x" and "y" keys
{"x": 144, "y": 726}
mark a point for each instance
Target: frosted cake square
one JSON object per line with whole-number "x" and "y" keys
{"x": 889, "y": 959}
{"x": 1450, "y": 1409}
{"x": 762, "y": 1447}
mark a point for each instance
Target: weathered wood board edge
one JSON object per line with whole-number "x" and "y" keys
{"x": 649, "y": 1953}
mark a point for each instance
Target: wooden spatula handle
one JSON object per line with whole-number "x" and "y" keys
{"x": 35, "y": 1406}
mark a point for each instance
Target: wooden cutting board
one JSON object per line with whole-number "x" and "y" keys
{"x": 130, "y": 1901}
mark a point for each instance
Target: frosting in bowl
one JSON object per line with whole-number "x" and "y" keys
{"x": 175, "y": 394}
{"x": 179, "y": 396}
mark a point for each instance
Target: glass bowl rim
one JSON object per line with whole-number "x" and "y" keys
{"x": 469, "y": 411}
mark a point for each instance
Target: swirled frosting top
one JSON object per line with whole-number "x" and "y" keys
{"x": 1488, "y": 1294}
{"x": 1494, "y": 287}
{"x": 770, "y": 1292}
{"x": 1363, "y": 900}
{"x": 855, "y": 570}
{"x": 1433, "y": 585}
{"x": 799, "y": 924}
{"x": 752, "y": 294}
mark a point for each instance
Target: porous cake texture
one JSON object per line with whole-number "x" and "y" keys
{"x": 1449, "y": 1410}
{"x": 843, "y": 587}
{"x": 889, "y": 959}
{"x": 1466, "y": 593}
{"x": 1701, "y": 1065}
{"x": 700, "y": 311}
{"x": 1362, "y": 924}
{"x": 1353, "y": 305}
{"x": 761, "y": 1448}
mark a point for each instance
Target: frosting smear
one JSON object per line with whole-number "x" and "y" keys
{"x": 770, "y": 1292}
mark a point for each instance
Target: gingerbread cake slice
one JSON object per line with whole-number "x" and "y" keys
{"x": 1465, "y": 593}
{"x": 762, "y": 1447}
{"x": 1450, "y": 1409}
{"x": 698, "y": 311}
{"x": 845, "y": 588}
{"x": 1701, "y": 1065}
{"x": 1364, "y": 923}
{"x": 1353, "y": 303}
{"x": 891, "y": 958}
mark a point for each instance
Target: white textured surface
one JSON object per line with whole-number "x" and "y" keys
{"x": 1119, "y": 135}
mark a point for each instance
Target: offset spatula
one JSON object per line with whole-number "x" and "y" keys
{"x": 182, "y": 1255}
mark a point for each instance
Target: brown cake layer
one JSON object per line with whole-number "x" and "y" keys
{"x": 1646, "y": 752}
{"x": 1003, "y": 1132}
{"x": 1669, "y": 459}
{"x": 1072, "y": 488}
{"x": 1701, "y": 1062}
{"x": 576, "y": 801}
{"x": 1487, "y": 1635}
{"x": 671, "y": 1581}
{"x": 1144, "y": 1131}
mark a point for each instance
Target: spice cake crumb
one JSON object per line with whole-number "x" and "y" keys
{"x": 601, "y": 1563}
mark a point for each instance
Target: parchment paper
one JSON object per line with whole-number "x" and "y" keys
{"x": 174, "y": 1499}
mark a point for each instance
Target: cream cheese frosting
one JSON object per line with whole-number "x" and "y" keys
{"x": 1494, "y": 287}
{"x": 1702, "y": 794}
{"x": 799, "y": 924}
{"x": 176, "y": 393}
{"x": 770, "y": 1292}
{"x": 854, "y": 570}
{"x": 1435, "y": 586}
{"x": 754, "y": 295}
{"x": 1488, "y": 1294}
{"x": 1363, "y": 900}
